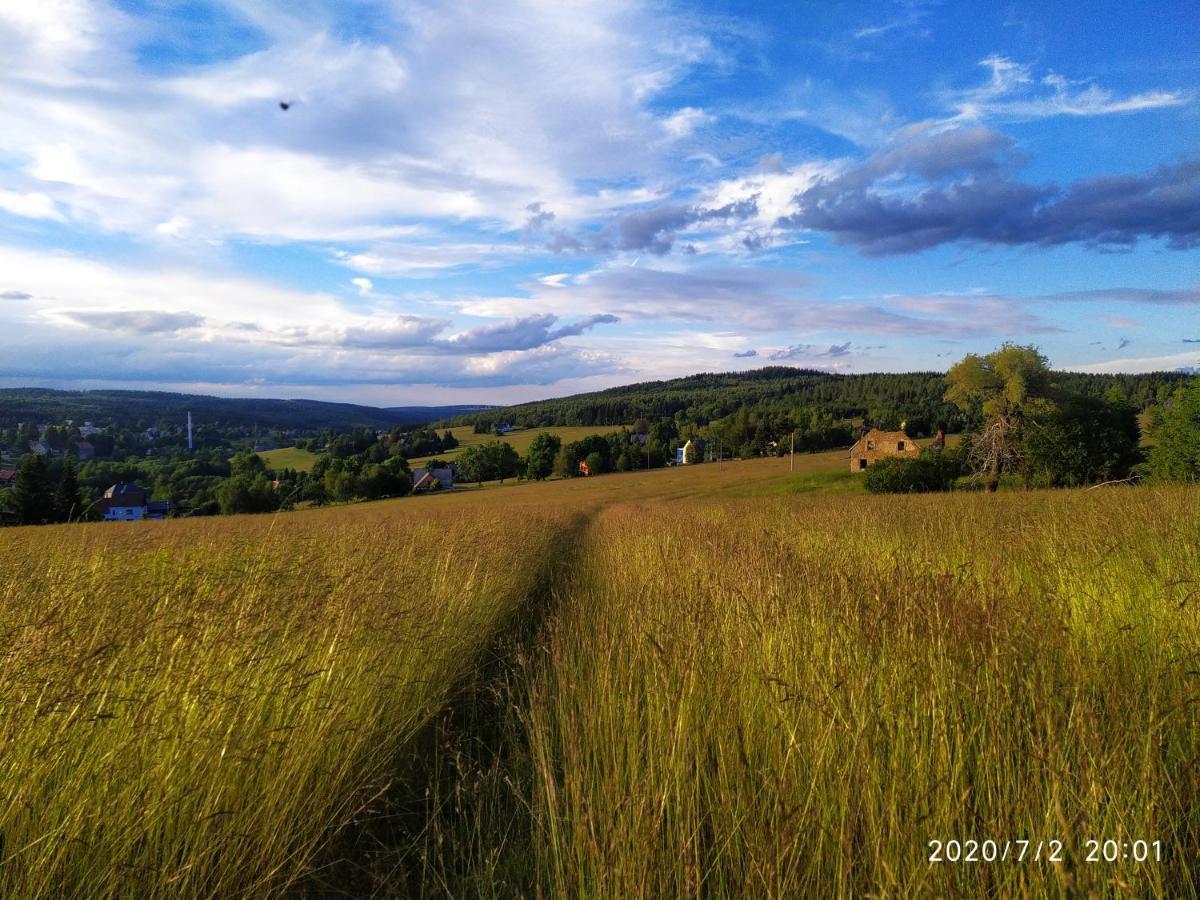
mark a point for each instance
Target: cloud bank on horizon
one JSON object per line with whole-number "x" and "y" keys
{"x": 540, "y": 197}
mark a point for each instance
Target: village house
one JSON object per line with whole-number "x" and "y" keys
{"x": 8, "y": 478}
{"x": 426, "y": 479}
{"x": 875, "y": 445}
{"x": 125, "y": 502}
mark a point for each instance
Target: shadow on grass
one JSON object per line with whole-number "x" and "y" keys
{"x": 451, "y": 822}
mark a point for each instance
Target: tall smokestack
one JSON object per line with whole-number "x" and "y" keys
{"x": 189, "y": 429}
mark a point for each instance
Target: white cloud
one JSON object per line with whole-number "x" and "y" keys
{"x": 1012, "y": 92}
{"x": 34, "y": 205}
{"x": 380, "y": 134}
{"x": 1167, "y": 363}
{"x": 364, "y": 285}
{"x": 684, "y": 121}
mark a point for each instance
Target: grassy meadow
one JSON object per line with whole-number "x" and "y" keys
{"x": 728, "y": 680}
{"x": 520, "y": 438}
{"x": 289, "y": 458}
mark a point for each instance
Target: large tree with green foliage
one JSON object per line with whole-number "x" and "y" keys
{"x": 539, "y": 463}
{"x": 489, "y": 461}
{"x": 1175, "y": 427}
{"x": 1007, "y": 387}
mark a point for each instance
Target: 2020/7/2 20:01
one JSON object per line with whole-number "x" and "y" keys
{"x": 1110, "y": 850}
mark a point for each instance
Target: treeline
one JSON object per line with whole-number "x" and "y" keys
{"x": 406, "y": 442}
{"x": 129, "y": 409}
{"x": 798, "y": 398}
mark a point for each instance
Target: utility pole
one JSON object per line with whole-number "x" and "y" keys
{"x": 792, "y": 454}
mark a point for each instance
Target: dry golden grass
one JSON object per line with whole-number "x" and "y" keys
{"x": 606, "y": 687}
{"x": 791, "y": 699}
{"x": 201, "y": 708}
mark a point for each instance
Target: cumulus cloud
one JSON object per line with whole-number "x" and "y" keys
{"x": 684, "y": 121}
{"x": 364, "y": 285}
{"x": 654, "y": 229}
{"x": 762, "y": 301}
{"x": 385, "y": 129}
{"x": 15, "y": 295}
{"x": 142, "y": 321}
{"x": 391, "y": 333}
{"x": 32, "y": 205}
{"x": 521, "y": 334}
{"x": 975, "y": 199}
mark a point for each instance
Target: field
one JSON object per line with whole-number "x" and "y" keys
{"x": 520, "y": 438}
{"x": 289, "y": 458}
{"x": 722, "y": 681}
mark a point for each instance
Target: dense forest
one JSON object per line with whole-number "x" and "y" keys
{"x": 806, "y": 399}
{"x": 127, "y": 409}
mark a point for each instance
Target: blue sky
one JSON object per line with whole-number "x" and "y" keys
{"x": 504, "y": 201}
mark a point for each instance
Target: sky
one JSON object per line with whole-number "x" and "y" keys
{"x": 494, "y": 202}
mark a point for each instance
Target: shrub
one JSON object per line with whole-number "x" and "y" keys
{"x": 931, "y": 471}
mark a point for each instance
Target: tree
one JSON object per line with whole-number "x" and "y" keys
{"x": 33, "y": 494}
{"x": 1082, "y": 440}
{"x": 247, "y": 494}
{"x": 489, "y": 461}
{"x": 66, "y": 498}
{"x": 1007, "y": 387}
{"x": 565, "y": 462}
{"x": 382, "y": 480}
{"x": 595, "y": 464}
{"x": 542, "y": 452}
{"x": 247, "y": 463}
{"x": 1175, "y": 427}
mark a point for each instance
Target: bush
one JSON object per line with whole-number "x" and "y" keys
{"x": 933, "y": 470}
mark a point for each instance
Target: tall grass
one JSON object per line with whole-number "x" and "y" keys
{"x": 792, "y": 699}
{"x": 752, "y": 697}
{"x": 205, "y": 708}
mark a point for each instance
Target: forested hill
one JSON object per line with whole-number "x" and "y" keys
{"x": 128, "y": 409}
{"x": 881, "y": 398}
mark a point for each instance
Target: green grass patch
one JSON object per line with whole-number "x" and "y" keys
{"x": 289, "y": 458}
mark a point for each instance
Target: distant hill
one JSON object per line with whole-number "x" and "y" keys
{"x": 421, "y": 414}
{"x": 144, "y": 408}
{"x": 879, "y": 397}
